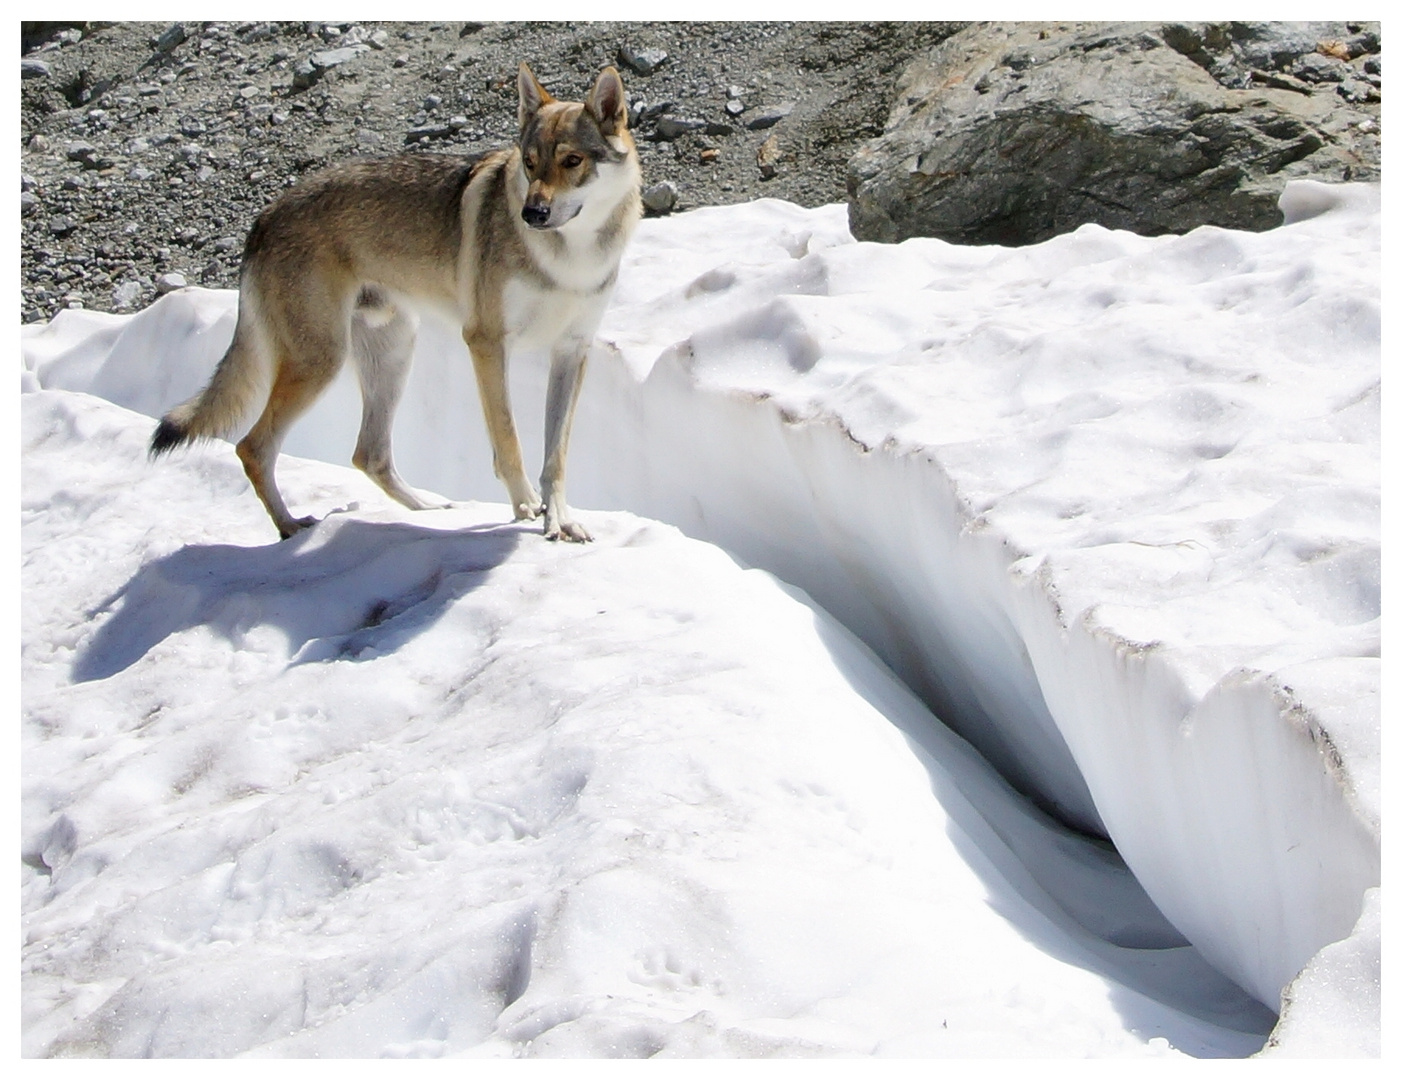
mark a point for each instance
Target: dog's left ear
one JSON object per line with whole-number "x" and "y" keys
{"x": 607, "y": 102}
{"x": 533, "y": 95}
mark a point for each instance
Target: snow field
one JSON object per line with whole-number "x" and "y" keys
{"x": 1109, "y": 503}
{"x": 423, "y": 785}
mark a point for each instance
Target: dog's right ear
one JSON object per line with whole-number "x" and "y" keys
{"x": 533, "y": 95}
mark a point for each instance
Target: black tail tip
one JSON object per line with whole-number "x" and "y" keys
{"x": 168, "y": 436}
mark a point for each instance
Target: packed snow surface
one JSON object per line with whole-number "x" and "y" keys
{"x": 426, "y": 784}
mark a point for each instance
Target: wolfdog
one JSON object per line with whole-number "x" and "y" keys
{"x": 518, "y": 245}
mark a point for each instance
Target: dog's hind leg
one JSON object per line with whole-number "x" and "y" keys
{"x": 489, "y": 363}
{"x": 382, "y": 344}
{"x": 566, "y": 377}
{"x": 301, "y": 375}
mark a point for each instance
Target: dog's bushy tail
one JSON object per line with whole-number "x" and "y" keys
{"x": 218, "y": 409}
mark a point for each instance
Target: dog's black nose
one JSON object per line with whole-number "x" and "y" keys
{"x": 535, "y": 216}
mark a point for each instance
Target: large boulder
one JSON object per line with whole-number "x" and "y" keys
{"x": 1010, "y": 133}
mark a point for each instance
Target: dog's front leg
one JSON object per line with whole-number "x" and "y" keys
{"x": 566, "y": 376}
{"x": 489, "y": 363}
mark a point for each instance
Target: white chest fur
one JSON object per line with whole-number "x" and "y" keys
{"x": 536, "y": 315}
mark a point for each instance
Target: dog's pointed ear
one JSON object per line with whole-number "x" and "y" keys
{"x": 607, "y": 102}
{"x": 533, "y": 95}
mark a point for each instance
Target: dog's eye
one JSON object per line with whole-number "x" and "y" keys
{"x": 530, "y": 163}
{"x": 573, "y": 161}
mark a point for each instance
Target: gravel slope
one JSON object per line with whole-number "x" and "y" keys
{"x": 147, "y": 149}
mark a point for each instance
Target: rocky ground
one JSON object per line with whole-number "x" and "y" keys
{"x": 147, "y": 149}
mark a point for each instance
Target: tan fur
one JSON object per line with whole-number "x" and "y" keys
{"x": 519, "y": 244}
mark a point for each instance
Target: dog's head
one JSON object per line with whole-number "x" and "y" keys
{"x": 572, "y": 150}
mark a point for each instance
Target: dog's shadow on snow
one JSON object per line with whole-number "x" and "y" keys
{"x": 356, "y": 590}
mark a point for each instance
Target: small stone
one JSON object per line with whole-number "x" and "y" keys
{"x": 734, "y": 106}
{"x": 1357, "y": 91}
{"x": 140, "y": 175}
{"x": 169, "y": 282}
{"x": 428, "y": 131}
{"x": 227, "y": 243}
{"x": 83, "y": 152}
{"x": 30, "y": 68}
{"x": 733, "y": 92}
{"x": 174, "y": 36}
{"x": 304, "y": 74}
{"x": 378, "y": 40}
{"x": 709, "y": 156}
{"x": 126, "y": 295}
{"x": 62, "y": 226}
{"x": 432, "y": 101}
{"x": 190, "y": 126}
{"x": 401, "y": 61}
{"x": 204, "y": 173}
{"x": 643, "y": 61}
{"x": 366, "y": 137}
{"x": 335, "y": 57}
{"x": 28, "y": 203}
{"x": 27, "y": 182}
{"x": 673, "y": 127}
{"x": 771, "y": 116}
{"x": 250, "y": 92}
{"x": 660, "y": 198}
{"x": 767, "y": 157}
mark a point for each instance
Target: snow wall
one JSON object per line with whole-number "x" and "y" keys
{"x": 765, "y": 383}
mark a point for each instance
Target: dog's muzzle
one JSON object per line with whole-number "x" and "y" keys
{"x": 537, "y": 217}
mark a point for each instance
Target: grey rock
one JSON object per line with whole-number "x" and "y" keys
{"x": 30, "y": 68}
{"x": 305, "y": 74}
{"x": 1316, "y": 67}
{"x": 173, "y": 36}
{"x": 26, "y": 182}
{"x": 428, "y": 131}
{"x": 673, "y": 127}
{"x": 1010, "y": 133}
{"x": 660, "y": 198}
{"x": 642, "y": 61}
{"x": 734, "y": 106}
{"x": 83, "y": 152}
{"x": 125, "y": 295}
{"x": 169, "y": 282}
{"x": 767, "y": 118}
{"x": 62, "y": 226}
{"x": 331, "y": 58}
{"x": 28, "y": 203}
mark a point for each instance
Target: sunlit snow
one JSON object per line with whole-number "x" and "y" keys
{"x": 426, "y": 784}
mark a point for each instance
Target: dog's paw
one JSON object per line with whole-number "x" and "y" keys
{"x": 529, "y": 510}
{"x": 289, "y": 529}
{"x": 568, "y": 530}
